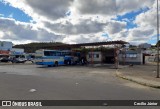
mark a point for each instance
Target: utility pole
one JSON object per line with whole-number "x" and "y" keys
{"x": 157, "y": 40}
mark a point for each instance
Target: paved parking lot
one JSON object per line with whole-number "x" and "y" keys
{"x": 68, "y": 83}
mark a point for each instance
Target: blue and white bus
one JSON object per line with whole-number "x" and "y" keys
{"x": 55, "y": 57}
{"x": 49, "y": 57}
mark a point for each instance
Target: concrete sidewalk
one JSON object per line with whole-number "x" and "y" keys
{"x": 141, "y": 74}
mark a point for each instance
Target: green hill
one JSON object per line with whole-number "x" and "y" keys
{"x": 32, "y": 47}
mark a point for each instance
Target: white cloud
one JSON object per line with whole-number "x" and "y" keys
{"x": 106, "y": 7}
{"x": 51, "y": 9}
{"x": 88, "y": 20}
{"x": 83, "y": 38}
{"x": 125, "y": 6}
{"x": 84, "y": 26}
{"x": 11, "y": 15}
{"x": 115, "y": 27}
{"x": 135, "y": 35}
{"x": 42, "y": 9}
{"x": 19, "y": 32}
{"x": 56, "y": 9}
{"x": 110, "y": 7}
{"x": 147, "y": 19}
{"x": 140, "y": 34}
{"x": 1, "y": 15}
{"x": 14, "y": 30}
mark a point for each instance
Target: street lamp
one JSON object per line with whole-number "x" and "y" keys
{"x": 157, "y": 40}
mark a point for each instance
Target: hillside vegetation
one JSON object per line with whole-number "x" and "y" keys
{"x": 32, "y": 47}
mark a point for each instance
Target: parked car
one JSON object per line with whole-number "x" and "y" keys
{"x": 18, "y": 60}
{"x": 5, "y": 59}
{"x": 31, "y": 60}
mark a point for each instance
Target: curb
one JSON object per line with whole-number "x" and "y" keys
{"x": 120, "y": 75}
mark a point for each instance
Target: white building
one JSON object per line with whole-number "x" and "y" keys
{"x": 17, "y": 51}
{"x": 95, "y": 57}
{"x": 131, "y": 57}
{"x": 144, "y": 46}
{"x": 5, "y": 45}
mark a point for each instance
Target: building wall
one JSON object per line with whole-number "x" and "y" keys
{"x": 145, "y": 45}
{"x": 4, "y": 45}
{"x": 97, "y": 57}
{"x": 106, "y": 56}
{"x": 17, "y": 51}
{"x": 131, "y": 58}
{"x": 3, "y": 53}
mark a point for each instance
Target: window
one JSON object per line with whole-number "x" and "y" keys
{"x": 46, "y": 53}
{"x": 97, "y": 55}
{"x": 130, "y": 55}
{"x": 49, "y": 53}
{"x": 90, "y": 56}
{"x": 58, "y": 54}
{"x": 135, "y": 55}
{"x": 94, "y": 55}
{"x": 66, "y": 53}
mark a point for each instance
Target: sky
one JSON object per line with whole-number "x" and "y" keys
{"x": 78, "y": 21}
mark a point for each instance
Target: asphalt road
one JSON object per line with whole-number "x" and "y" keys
{"x": 70, "y": 83}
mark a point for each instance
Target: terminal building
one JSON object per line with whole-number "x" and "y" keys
{"x": 110, "y": 52}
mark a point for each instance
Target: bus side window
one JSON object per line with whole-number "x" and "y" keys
{"x": 58, "y": 54}
{"x": 62, "y": 54}
{"x": 52, "y": 53}
{"x": 46, "y": 53}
